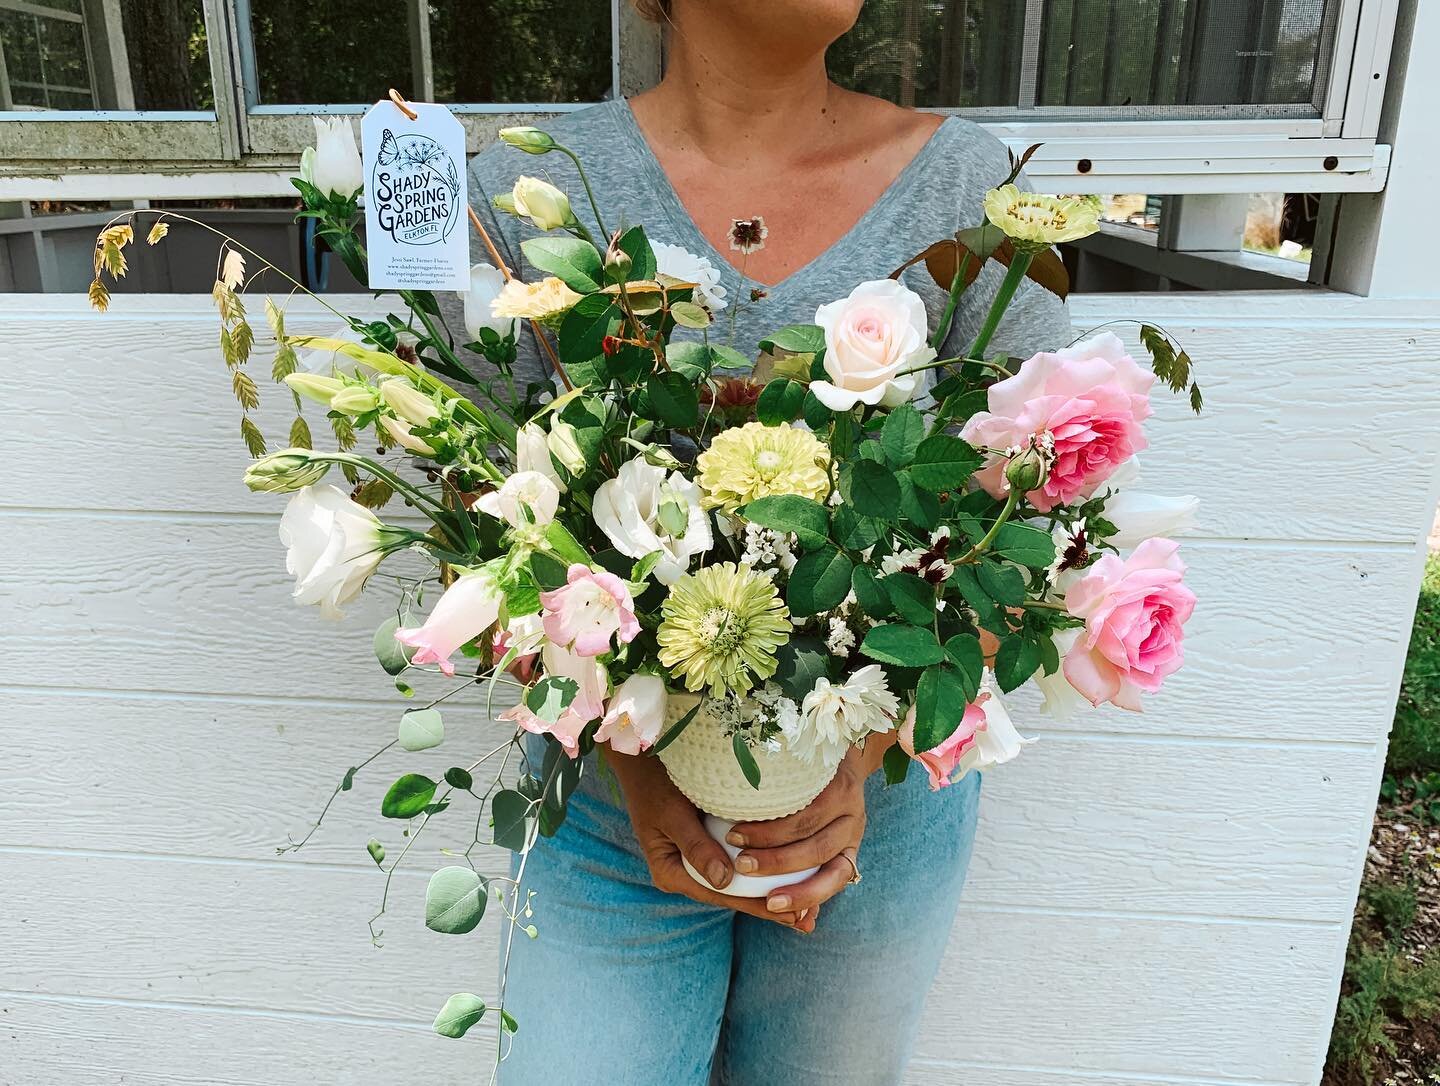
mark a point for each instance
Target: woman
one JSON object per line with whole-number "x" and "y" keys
{"x": 641, "y": 975}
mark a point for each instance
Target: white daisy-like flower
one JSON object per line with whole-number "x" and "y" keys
{"x": 833, "y": 717}
{"x": 681, "y": 264}
{"x": 1071, "y": 549}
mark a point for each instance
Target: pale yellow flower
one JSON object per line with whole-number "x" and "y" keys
{"x": 1034, "y": 220}
{"x": 720, "y": 628}
{"x": 533, "y": 301}
{"x": 754, "y": 461}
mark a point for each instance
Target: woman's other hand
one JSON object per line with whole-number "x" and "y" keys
{"x": 669, "y": 828}
{"x": 826, "y": 834}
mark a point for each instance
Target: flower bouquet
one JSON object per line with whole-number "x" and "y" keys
{"x": 659, "y": 551}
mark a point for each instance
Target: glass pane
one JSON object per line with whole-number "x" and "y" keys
{"x": 495, "y": 51}
{"x": 1184, "y": 52}
{"x": 1132, "y": 209}
{"x": 134, "y": 54}
{"x": 939, "y": 53}
{"x": 554, "y": 50}
{"x": 1282, "y": 224}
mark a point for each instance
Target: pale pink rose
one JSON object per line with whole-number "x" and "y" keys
{"x": 1090, "y": 399}
{"x": 588, "y": 610}
{"x": 635, "y": 716}
{"x": 468, "y": 608}
{"x": 871, "y": 338}
{"x": 942, "y": 761}
{"x": 589, "y": 701}
{"x": 1134, "y": 611}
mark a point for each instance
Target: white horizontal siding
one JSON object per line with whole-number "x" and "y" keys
{"x": 1154, "y": 899}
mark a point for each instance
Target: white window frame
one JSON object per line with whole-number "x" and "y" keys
{"x": 239, "y": 151}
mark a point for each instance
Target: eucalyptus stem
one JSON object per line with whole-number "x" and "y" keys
{"x": 1019, "y": 265}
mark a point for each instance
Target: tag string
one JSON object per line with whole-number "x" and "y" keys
{"x": 404, "y": 107}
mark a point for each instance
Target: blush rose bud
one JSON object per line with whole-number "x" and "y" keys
{"x": 1027, "y": 471}
{"x": 617, "y": 265}
{"x": 285, "y": 471}
{"x": 527, "y": 138}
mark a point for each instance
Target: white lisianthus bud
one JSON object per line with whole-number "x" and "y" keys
{"x": 332, "y": 545}
{"x": 335, "y": 167}
{"x": 407, "y": 401}
{"x": 532, "y": 453}
{"x": 564, "y": 445}
{"x": 315, "y": 386}
{"x": 527, "y": 138}
{"x": 1141, "y": 516}
{"x": 355, "y": 400}
{"x": 399, "y": 432}
{"x": 486, "y": 283}
{"x": 542, "y": 203}
{"x": 284, "y": 471}
{"x": 504, "y": 202}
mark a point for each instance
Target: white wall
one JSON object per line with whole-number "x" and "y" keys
{"x": 1155, "y": 899}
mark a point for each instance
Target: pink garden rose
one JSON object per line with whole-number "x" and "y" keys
{"x": 871, "y": 338}
{"x": 1090, "y": 399}
{"x": 1134, "y": 610}
{"x": 942, "y": 761}
{"x": 469, "y": 607}
{"x": 590, "y": 607}
{"x": 588, "y": 704}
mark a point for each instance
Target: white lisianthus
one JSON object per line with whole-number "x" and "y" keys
{"x": 871, "y": 338}
{"x": 564, "y": 445}
{"x": 995, "y": 743}
{"x": 408, "y": 402}
{"x": 531, "y": 490}
{"x": 398, "y": 431}
{"x": 1144, "y": 516}
{"x": 486, "y": 283}
{"x": 333, "y": 166}
{"x": 332, "y": 545}
{"x": 635, "y": 715}
{"x": 835, "y": 716}
{"x": 1062, "y": 701}
{"x": 542, "y": 203}
{"x": 674, "y": 262}
{"x": 642, "y": 510}
{"x": 532, "y": 453}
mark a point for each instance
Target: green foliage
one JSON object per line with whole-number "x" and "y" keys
{"x": 746, "y": 758}
{"x": 510, "y": 812}
{"x": 901, "y": 434}
{"x": 870, "y": 488}
{"x": 461, "y": 1011}
{"x": 454, "y": 900}
{"x": 807, "y": 520}
{"x": 421, "y": 729}
{"x": 1415, "y": 737}
{"x": 408, "y": 796}
{"x": 800, "y": 663}
{"x": 393, "y": 656}
{"x": 573, "y": 261}
{"x": 904, "y": 645}
{"x": 780, "y": 401}
{"x": 819, "y": 581}
{"x": 943, "y": 462}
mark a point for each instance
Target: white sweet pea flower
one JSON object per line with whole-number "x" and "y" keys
{"x": 835, "y": 716}
{"x": 332, "y": 545}
{"x": 677, "y": 263}
{"x": 643, "y": 510}
{"x": 530, "y": 489}
{"x": 995, "y": 743}
{"x": 871, "y": 338}
{"x": 486, "y": 283}
{"x": 333, "y": 166}
{"x": 635, "y": 715}
{"x": 532, "y": 453}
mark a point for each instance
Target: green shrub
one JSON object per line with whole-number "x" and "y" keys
{"x": 1415, "y": 737}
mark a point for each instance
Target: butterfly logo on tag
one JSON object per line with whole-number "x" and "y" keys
{"x": 416, "y": 186}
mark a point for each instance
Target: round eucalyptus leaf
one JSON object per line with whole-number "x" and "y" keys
{"x": 461, "y": 1011}
{"x": 421, "y": 729}
{"x": 454, "y": 901}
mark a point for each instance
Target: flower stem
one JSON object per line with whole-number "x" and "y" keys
{"x": 1019, "y": 265}
{"x": 957, "y": 287}
{"x": 989, "y": 537}
{"x": 589, "y": 192}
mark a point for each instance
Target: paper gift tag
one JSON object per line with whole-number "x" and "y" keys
{"x": 415, "y": 198}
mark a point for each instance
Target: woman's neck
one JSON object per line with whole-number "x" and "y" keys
{"x": 739, "y": 105}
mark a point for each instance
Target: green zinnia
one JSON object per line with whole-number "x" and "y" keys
{"x": 720, "y": 628}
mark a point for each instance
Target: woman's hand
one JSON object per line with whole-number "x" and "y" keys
{"x": 668, "y": 827}
{"x": 826, "y": 834}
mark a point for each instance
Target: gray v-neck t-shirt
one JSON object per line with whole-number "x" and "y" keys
{"x": 939, "y": 192}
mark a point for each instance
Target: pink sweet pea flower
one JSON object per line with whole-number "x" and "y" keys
{"x": 635, "y": 716}
{"x": 1134, "y": 611}
{"x": 942, "y": 761}
{"x": 1090, "y": 399}
{"x": 589, "y": 701}
{"x": 588, "y": 610}
{"x": 469, "y": 607}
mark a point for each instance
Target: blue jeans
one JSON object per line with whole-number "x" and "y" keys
{"x": 627, "y": 984}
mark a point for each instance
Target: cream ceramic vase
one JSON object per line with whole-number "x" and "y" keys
{"x": 702, "y": 764}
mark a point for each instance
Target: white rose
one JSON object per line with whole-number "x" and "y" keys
{"x": 542, "y": 203}
{"x": 486, "y": 283}
{"x": 530, "y": 489}
{"x": 332, "y": 545}
{"x": 334, "y": 167}
{"x": 631, "y": 510}
{"x": 871, "y": 338}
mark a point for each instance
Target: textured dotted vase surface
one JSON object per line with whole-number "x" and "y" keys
{"x": 702, "y": 765}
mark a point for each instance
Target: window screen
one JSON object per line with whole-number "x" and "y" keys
{"x": 1132, "y": 57}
